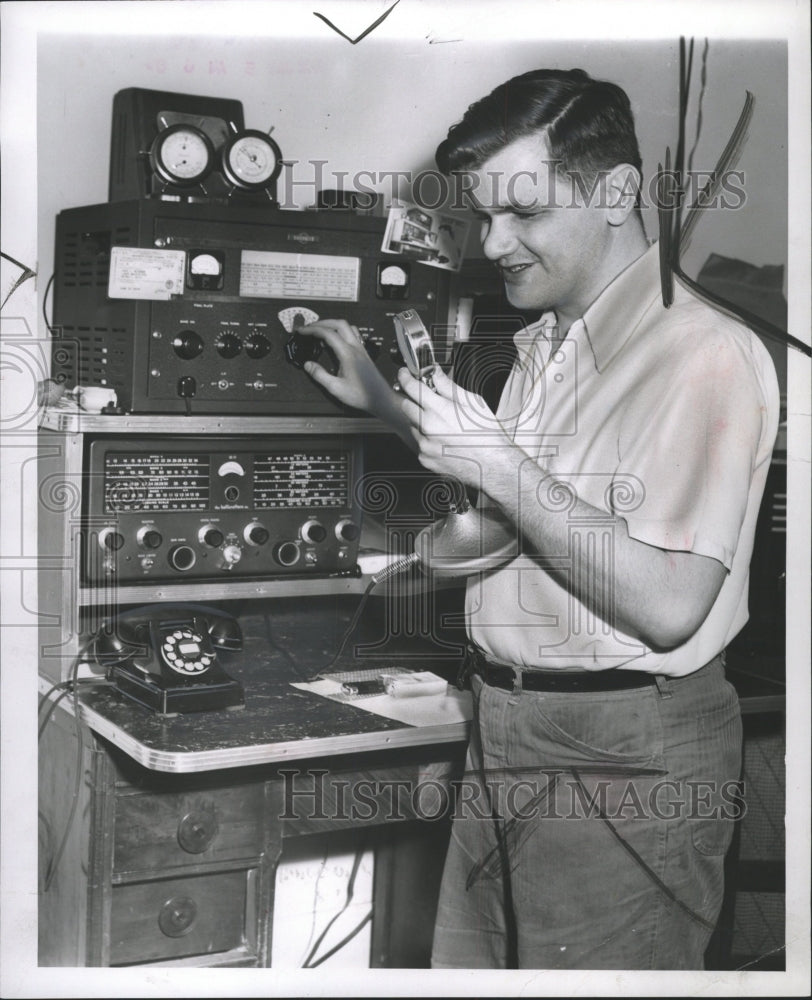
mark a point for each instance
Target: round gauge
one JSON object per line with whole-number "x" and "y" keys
{"x": 251, "y": 160}
{"x": 182, "y": 154}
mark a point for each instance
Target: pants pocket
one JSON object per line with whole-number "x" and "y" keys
{"x": 610, "y": 730}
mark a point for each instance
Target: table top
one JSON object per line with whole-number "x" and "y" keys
{"x": 280, "y": 723}
{"x": 290, "y": 641}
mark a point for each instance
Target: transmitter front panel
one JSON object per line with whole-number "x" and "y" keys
{"x": 217, "y": 509}
{"x": 198, "y": 309}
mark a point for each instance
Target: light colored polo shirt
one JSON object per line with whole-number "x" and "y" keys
{"x": 664, "y": 417}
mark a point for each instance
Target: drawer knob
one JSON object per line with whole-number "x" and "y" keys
{"x": 177, "y": 916}
{"x": 197, "y": 830}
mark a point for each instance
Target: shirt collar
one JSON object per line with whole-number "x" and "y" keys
{"x": 613, "y": 317}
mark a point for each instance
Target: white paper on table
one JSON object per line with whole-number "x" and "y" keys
{"x": 427, "y": 710}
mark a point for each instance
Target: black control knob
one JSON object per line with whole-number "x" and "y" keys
{"x": 182, "y": 558}
{"x": 228, "y": 345}
{"x": 187, "y": 344}
{"x": 373, "y": 348}
{"x": 149, "y": 538}
{"x": 256, "y": 534}
{"x": 302, "y": 347}
{"x": 111, "y": 539}
{"x": 313, "y": 531}
{"x": 257, "y": 346}
{"x": 346, "y": 530}
{"x": 211, "y": 536}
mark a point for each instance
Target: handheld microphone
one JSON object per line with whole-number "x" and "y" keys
{"x": 470, "y": 539}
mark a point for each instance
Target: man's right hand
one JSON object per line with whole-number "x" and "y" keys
{"x": 357, "y": 383}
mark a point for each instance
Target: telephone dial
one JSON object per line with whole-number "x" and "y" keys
{"x": 166, "y": 657}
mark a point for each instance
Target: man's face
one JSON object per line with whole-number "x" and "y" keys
{"x": 549, "y": 239}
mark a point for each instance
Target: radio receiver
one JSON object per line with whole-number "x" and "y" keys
{"x": 207, "y": 508}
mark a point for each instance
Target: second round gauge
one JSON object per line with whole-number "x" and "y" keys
{"x": 251, "y": 160}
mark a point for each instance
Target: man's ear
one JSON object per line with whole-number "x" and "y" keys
{"x": 622, "y": 191}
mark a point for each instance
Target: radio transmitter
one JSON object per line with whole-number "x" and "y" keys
{"x": 211, "y": 508}
{"x": 196, "y": 308}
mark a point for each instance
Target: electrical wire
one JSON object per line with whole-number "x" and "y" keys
{"x": 399, "y": 566}
{"x": 344, "y": 941}
{"x": 321, "y": 871}
{"x": 350, "y": 892}
{"x": 80, "y": 727}
{"x": 69, "y": 687}
{"x": 48, "y": 326}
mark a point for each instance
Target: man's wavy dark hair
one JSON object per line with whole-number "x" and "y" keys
{"x": 588, "y": 123}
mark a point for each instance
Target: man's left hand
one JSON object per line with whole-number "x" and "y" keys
{"x": 455, "y": 431}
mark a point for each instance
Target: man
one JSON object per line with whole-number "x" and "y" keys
{"x": 630, "y": 449}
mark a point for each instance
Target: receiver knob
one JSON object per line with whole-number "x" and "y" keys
{"x": 313, "y": 531}
{"x": 231, "y": 556}
{"x": 346, "y": 530}
{"x": 149, "y": 538}
{"x": 111, "y": 539}
{"x": 211, "y": 536}
{"x": 255, "y": 534}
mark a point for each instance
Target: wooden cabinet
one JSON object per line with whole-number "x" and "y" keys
{"x": 179, "y": 868}
{"x": 163, "y": 870}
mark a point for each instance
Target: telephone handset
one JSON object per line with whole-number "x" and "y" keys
{"x": 165, "y": 657}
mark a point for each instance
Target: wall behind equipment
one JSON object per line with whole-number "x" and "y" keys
{"x": 383, "y": 105}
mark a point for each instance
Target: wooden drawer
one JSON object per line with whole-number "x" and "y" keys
{"x": 175, "y": 918}
{"x": 154, "y": 832}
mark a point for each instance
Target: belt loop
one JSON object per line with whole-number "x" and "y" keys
{"x": 517, "y": 680}
{"x": 663, "y": 686}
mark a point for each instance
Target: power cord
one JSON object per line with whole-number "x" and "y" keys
{"x": 309, "y": 962}
{"x": 398, "y": 566}
{"x": 68, "y": 687}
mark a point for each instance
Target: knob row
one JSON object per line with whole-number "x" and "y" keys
{"x": 188, "y": 344}
{"x": 312, "y": 531}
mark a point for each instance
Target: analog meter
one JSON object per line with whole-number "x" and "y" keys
{"x": 182, "y": 155}
{"x": 251, "y": 160}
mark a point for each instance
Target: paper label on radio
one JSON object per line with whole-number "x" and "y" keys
{"x": 144, "y": 273}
